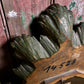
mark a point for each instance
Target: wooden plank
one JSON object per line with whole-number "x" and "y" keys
{"x": 25, "y": 12}
{"x": 20, "y": 13}
{"x": 13, "y": 19}
{"x": 3, "y": 37}
{"x": 4, "y": 51}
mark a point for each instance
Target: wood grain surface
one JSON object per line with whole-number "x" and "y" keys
{"x": 66, "y": 59}
{"x": 26, "y": 10}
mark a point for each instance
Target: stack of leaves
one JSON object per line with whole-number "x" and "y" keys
{"x": 29, "y": 49}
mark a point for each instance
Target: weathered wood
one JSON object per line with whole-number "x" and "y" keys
{"x": 3, "y": 37}
{"x": 63, "y": 75}
{"x": 13, "y": 19}
{"x": 66, "y": 59}
{"x": 19, "y": 14}
{"x": 26, "y": 10}
{"x": 48, "y": 45}
{"x": 56, "y": 23}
